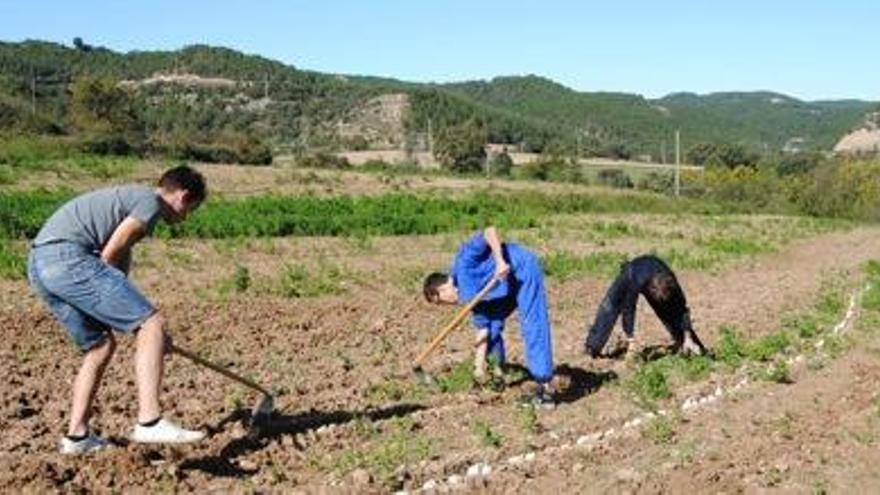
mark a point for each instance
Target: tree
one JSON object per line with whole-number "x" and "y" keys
{"x": 99, "y": 106}
{"x": 501, "y": 164}
{"x": 461, "y": 148}
{"x": 80, "y": 45}
{"x": 721, "y": 155}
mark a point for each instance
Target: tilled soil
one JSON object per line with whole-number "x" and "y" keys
{"x": 348, "y": 406}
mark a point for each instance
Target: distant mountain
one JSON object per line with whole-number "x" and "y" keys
{"x": 758, "y": 120}
{"x": 204, "y": 89}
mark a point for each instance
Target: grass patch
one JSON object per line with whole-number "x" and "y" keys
{"x": 488, "y": 437}
{"x": 298, "y": 281}
{"x": 731, "y": 349}
{"x": 660, "y": 431}
{"x": 653, "y": 380}
{"x": 528, "y": 420}
{"x": 563, "y": 265}
{"x": 460, "y": 379}
{"x": 778, "y": 372}
{"x": 403, "y": 445}
{"x": 735, "y": 246}
{"x": 764, "y": 348}
{"x": 871, "y": 297}
{"x": 649, "y": 384}
{"x": 13, "y": 263}
{"x": 392, "y": 391}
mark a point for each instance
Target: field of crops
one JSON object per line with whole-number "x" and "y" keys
{"x": 310, "y": 282}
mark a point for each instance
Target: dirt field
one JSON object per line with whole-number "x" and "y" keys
{"x": 350, "y": 416}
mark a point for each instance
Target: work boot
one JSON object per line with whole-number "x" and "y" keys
{"x": 164, "y": 431}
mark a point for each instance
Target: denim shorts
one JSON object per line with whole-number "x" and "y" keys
{"x": 89, "y": 297}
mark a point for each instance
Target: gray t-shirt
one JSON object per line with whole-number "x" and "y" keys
{"x": 90, "y": 219}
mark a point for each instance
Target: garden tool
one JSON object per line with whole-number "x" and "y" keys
{"x": 261, "y": 412}
{"x": 420, "y": 373}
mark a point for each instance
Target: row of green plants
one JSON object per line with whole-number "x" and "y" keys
{"x": 22, "y": 213}
{"x": 763, "y": 357}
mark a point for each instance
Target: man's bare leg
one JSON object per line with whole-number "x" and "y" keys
{"x": 86, "y": 384}
{"x": 481, "y": 346}
{"x": 149, "y": 365}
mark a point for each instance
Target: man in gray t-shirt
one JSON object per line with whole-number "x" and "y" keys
{"x": 79, "y": 264}
{"x": 90, "y": 220}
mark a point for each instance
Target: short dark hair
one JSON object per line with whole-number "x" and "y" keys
{"x": 661, "y": 285}
{"x": 432, "y": 285}
{"x": 186, "y": 178}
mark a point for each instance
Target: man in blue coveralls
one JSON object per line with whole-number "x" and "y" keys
{"x": 650, "y": 276}
{"x": 520, "y": 286}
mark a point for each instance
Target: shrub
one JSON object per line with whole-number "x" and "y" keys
{"x": 554, "y": 170}
{"x": 659, "y": 182}
{"x": 615, "y": 178}
{"x": 501, "y": 165}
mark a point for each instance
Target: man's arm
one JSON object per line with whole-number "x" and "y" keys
{"x": 501, "y": 266}
{"x": 118, "y": 247}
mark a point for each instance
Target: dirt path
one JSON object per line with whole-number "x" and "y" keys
{"x": 341, "y": 363}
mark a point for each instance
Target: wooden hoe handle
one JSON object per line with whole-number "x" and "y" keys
{"x": 219, "y": 369}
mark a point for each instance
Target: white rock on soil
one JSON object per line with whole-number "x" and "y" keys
{"x": 360, "y": 477}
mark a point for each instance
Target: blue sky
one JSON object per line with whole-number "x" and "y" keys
{"x": 808, "y": 49}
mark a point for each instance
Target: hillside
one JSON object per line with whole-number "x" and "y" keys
{"x": 759, "y": 120}
{"x": 201, "y": 90}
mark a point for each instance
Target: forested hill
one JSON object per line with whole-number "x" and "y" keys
{"x": 759, "y": 120}
{"x": 200, "y": 90}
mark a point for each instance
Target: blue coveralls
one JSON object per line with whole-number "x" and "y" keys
{"x": 523, "y": 288}
{"x": 621, "y": 299}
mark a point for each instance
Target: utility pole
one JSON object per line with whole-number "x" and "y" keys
{"x": 266, "y": 87}
{"x": 430, "y": 137}
{"x": 33, "y": 92}
{"x": 677, "y": 163}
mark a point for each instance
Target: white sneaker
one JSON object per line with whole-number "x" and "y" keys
{"x": 87, "y": 445}
{"x": 165, "y": 432}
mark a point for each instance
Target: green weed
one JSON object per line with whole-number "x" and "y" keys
{"x": 730, "y": 349}
{"x": 487, "y": 436}
{"x": 390, "y": 391}
{"x": 239, "y": 282}
{"x": 764, "y": 348}
{"x": 297, "y": 281}
{"x": 778, "y": 372}
{"x": 528, "y": 420}
{"x": 401, "y": 445}
{"x": 460, "y": 379}
{"x": 648, "y": 384}
{"x": 659, "y": 430}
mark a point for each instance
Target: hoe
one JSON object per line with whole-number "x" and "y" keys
{"x": 420, "y": 373}
{"x": 262, "y": 411}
